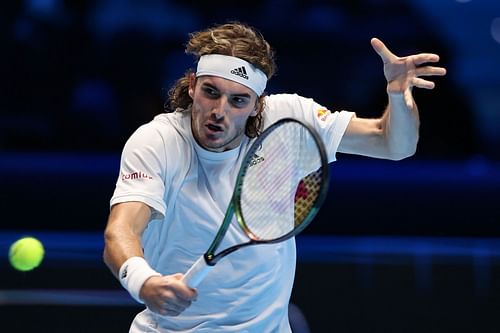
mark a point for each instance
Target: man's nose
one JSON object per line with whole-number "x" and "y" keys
{"x": 220, "y": 108}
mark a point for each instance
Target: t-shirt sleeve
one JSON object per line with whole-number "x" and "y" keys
{"x": 331, "y": 126}
{"x": 142, "y": 171}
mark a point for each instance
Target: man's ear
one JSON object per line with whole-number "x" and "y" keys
{"x": 192, "y": 83}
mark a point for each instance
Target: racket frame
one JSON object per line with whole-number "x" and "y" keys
{"x": 234, "y": 206}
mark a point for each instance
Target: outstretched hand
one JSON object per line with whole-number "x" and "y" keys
{"x": 404, "y": 73}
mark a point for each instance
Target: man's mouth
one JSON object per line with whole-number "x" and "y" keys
{"x": 214, "y": 128}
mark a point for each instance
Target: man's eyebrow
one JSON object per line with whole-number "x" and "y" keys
{"x": 245, "y": 95}
{"x": 209, "y": 85}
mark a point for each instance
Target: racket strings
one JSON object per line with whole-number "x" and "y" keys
{"x": 279, "y": 192}
{"x": 266, "y": 201}
{"x": 308, "y": 191}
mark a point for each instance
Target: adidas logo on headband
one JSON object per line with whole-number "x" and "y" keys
{"x": 234, "y": 69}
{"x": 240, "y": 71}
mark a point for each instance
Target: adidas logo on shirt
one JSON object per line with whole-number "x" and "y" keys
{"x": 240, "y": 71}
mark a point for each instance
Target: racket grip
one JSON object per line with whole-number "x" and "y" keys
{"x": 197, "y": 272}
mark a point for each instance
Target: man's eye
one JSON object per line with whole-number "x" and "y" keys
{"x": 240, "y": 101}
{"x": 210, "y": 92}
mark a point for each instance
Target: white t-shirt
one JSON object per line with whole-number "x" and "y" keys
{"x": 189, "y": 189}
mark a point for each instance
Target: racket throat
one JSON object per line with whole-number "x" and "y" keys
{"x": 213, "y": 259}
{"x": 210, "y": 259}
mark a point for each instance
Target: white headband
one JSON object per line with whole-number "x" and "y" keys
{"x": 234, "y": 69}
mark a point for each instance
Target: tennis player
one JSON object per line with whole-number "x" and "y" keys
{"x": 177, "y": 174}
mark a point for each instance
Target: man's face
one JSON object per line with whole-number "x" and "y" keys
{"x": 220, "y": 111}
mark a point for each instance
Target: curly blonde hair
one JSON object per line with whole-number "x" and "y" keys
{"x": 233, "y": 39}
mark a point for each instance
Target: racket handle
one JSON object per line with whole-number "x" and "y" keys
{"x": 197, "y": 272}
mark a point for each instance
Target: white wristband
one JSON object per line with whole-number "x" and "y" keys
{"x": 133, "y": 273}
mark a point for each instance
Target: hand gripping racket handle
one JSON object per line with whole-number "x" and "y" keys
{"x": 197, "y": 272}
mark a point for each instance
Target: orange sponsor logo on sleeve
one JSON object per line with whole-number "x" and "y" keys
{"x": 323, "y": 114}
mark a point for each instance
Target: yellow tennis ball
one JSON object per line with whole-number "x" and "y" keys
{"x": 26, "y": 254}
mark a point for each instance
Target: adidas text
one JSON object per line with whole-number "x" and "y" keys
{"x": 240, "y": 71}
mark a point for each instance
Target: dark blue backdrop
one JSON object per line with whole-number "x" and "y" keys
{"x": 406, "y": 246}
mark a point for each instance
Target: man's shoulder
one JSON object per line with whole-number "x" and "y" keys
{"x": 277, "y": 101}
{"x": 170, "y": 124}
{"x": 176, "y": 119}
{"x": 279, "y": 106}
{"x": 281, "y": 97}
{"x": 169, "y": 130}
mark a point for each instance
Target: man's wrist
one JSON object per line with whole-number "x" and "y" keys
{"x": 132, "y": 275}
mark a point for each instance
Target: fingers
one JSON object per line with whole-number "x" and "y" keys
{"x": 409, "y": 101}
{"x": 422, "y": 58}
{"x": 382, "y": 50}
{"x": 427, "y": 71}
{"x": 168, "y": 306}
{"x": 403, "y": 73}
{"x": 183, "y": 290}
{"x": 178, "y": 296}
{"x": 174, "y": 307}
{"x": 430, "y": 71}
{"x": 388, "y": 56}
{"x": 421, "y": 83}
{"x": 168, "y": 295}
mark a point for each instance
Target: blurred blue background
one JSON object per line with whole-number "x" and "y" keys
{"x": 406, "y": 246}
{"x": 81, "y": 75}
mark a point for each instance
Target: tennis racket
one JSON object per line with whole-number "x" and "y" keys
{"x": 281, "y": 184}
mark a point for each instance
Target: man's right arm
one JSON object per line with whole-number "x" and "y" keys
{"x": 166, "y": 295}
{"x": 122, "y": 237}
